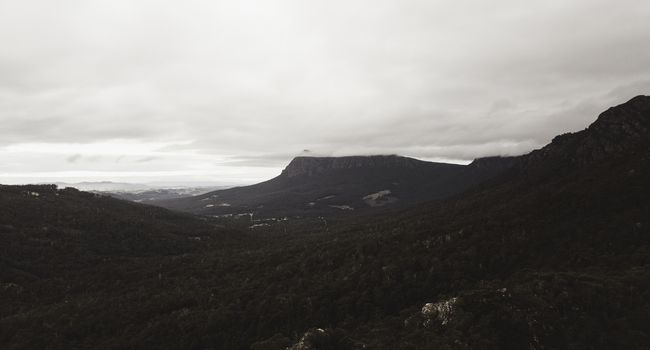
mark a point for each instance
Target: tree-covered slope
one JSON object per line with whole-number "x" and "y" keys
{"x": 552, "y": 254}
{"x": 314, "y": 186}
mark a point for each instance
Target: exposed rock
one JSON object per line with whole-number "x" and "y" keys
{"x": 342, "y": 207}
{"x": 311, "y": 166}
{"x": 441, "y": 311}
{"x": 306, "y": 342}
{"x": 377, "y": 195}
{"x": 379, "y": 199}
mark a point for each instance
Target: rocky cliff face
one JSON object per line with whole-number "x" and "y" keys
{"x": 620, "y": 131}
{"x": 310, "y": 166}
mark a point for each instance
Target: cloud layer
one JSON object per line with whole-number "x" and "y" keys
{"x": 216, "y": 89}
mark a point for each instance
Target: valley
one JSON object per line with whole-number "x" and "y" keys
{"x": 543, "y": 251}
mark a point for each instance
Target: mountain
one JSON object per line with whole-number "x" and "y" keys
{"x": 105, "y": 186}
{"x": 313, "y": 186}
{"x": 140, "y": 193}
{"x": 619, "y": 131}
{"x": 552, "y": 253}
{"x": 158, "y": 194}
{"x": 42, "y": 216}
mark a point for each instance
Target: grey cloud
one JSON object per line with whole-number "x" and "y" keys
{"x": 256, "y": 82}
{"x": 147, "y": 159}
{"x": 259, "y": 160}
{"x": 73, "y": 158}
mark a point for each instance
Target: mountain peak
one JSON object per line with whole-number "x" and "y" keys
{"x": 619, "y": 131}
{"x": 311, "y": 166}
{"x": 630, "y": 119}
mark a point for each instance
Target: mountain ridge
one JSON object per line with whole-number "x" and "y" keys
{"x": 307, "y": 165}
{"x": 522, "y": 262}
{"x": 620, "y": 130}
{"x": 317, "y": 186}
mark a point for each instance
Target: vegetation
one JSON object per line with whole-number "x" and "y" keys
{"x": 315, "y": 186}
{"x": 553, "y": 254}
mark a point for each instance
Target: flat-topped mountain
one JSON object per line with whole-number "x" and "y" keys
{"x": 329, "y": 185}
{"x": 312, "y": 166}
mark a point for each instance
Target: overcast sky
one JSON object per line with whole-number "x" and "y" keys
{"x": 230, "y": 91}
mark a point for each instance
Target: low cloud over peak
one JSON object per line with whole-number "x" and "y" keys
{"x": 249, "y": 84}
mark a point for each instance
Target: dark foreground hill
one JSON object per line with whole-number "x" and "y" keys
{"x": 57, "y": 244}
{"x": 313, "y": 186}
{"x": 553, "y": 254}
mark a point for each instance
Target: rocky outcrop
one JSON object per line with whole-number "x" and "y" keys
{"x": 620, "y": 131}
{"x": 441, "y": 311}
{"x": 311, "y": 166}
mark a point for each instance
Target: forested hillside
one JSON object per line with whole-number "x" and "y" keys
{"x": 352, "y": 186}
{"x": 552, "y": 254}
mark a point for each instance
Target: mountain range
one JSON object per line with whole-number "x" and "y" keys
{"x": 138, "y": 192}
{"x": 550, "y": 251}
